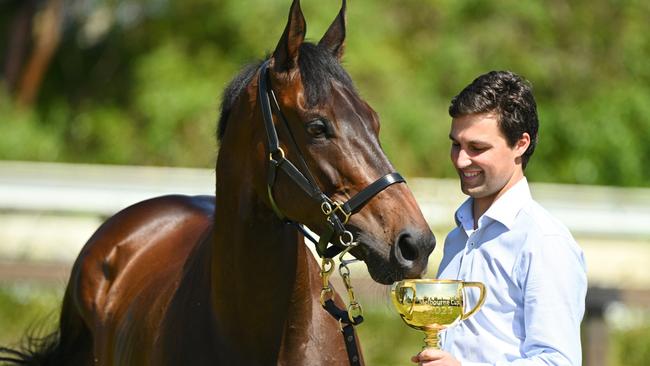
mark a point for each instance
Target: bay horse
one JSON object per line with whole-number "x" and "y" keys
{"x": 223, "y": 280}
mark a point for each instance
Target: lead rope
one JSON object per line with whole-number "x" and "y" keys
{"x": 353, "y": 315}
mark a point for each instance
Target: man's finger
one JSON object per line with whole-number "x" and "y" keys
{"x": 429, "y": 354}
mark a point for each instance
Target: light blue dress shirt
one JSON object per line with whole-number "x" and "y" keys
{"x": 536, "y": 282}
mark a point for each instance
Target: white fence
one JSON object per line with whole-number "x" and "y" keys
{"x": 103, "y": 190}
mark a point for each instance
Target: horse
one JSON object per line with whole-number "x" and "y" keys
{"x": 223, "y": 279}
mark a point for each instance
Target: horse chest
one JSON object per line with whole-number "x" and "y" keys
{"x": 312, "y": 337}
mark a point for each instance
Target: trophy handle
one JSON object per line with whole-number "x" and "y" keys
{"x": 481, "y": 298}
{"x": 402, "y": 291}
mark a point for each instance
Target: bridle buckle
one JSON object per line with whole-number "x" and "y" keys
{"x": 331, "y": 208}
{"x": 280, "y": 151}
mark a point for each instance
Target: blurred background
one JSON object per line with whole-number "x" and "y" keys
{"x": 106, "y": 102}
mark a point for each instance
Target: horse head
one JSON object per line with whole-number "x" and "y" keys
{"x": 331, "y": 136}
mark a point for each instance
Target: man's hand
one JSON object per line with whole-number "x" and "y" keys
{"x": 435, "y": 357}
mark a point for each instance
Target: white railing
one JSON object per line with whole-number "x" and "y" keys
{"x": 103, "y": 190}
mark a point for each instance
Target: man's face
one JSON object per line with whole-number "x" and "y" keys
{"x": 485, "y": 163}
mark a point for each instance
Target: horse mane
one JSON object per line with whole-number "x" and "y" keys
{"x": 317, "y": 69}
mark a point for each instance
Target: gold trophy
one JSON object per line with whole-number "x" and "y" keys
{"x": 433, "y": 305}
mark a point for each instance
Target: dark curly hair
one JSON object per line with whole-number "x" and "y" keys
{"x": 508, "y": 95}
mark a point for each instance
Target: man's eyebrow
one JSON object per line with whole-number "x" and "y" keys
{"x": 473, "y": 142}
{"x": 480, "y": 142}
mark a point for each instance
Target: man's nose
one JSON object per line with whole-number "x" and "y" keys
{"x": 461, "y": 159}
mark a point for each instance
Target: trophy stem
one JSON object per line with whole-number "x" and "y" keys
{"x": 431, "y": 339}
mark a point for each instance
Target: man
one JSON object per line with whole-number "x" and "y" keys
{"x": 533, "y": 270}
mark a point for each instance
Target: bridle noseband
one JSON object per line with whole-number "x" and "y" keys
{"x": 337, "y": 214}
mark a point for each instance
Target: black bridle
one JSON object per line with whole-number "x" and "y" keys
{"x": 337, "y": 214}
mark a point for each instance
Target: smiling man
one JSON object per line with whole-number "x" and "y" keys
{"x": 533, "y": 270}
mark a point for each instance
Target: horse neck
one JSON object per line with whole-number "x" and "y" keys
{"x": 254, "y": 266}
{"x": 251, "y": 242}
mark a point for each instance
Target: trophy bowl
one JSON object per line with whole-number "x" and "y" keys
{"x": 433, "y": 305}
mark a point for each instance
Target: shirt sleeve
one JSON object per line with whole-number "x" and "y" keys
{"x": 553, "y": 275}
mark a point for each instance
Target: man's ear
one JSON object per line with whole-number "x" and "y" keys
{"x": 285, "y": 56}
{"x": 522, "y": 144}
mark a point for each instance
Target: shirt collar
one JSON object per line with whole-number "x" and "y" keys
{"x": 506, "y": 207}
{"x": 503, "y": 210}
{"x": 464, "y": 216}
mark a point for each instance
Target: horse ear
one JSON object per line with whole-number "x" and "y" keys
{"x": 334, "y": 38}
{"x": 285, "y": 56}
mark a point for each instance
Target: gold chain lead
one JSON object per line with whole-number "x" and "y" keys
{"x": 327, "y": 267}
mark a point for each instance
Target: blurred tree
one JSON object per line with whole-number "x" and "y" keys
{"x": 27, "y": 58}
{"x": 139, "y": 81}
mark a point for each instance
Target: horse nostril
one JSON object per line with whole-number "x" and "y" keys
{"x": 407, "y": 247}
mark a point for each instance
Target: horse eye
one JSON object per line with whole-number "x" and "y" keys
{"x": 317, "y": 128}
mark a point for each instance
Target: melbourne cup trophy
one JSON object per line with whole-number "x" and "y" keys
{"x": 432, "y": 305}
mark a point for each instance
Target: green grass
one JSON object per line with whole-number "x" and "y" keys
{"x": 27, "y": 306}
{"x": 633, "y": 346}
{"x": 385, "y": 340}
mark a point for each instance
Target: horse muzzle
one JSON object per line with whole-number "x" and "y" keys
{"x": 410, "y": 253}
{"x": 406, "y": 257}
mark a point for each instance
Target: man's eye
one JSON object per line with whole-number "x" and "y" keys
{"x": 317, "y": 128}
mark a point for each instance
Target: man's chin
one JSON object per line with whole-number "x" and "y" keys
{"x": 473, "y": 191}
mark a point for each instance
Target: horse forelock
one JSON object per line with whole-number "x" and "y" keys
{"x": 318, "y": 67}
